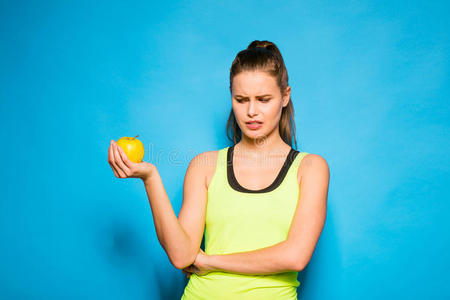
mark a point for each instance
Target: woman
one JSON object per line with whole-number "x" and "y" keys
{"x": 260, "y": 203}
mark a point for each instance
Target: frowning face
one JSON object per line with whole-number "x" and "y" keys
{"x": 257, "y": 103}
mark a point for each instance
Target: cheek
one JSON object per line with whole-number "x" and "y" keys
{"x": 271, "y": 111}
{"x": 240, "y": 109}
{"x": 237, "y": 112}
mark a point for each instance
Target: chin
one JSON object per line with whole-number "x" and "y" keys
{"x": 255, "y": 135}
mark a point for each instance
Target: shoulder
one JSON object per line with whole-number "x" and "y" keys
{"x": 204, "y": 161}
{"x": 204, "y": 158}
{"x": 204, "y": 165}
{"x": 313, "y": 165}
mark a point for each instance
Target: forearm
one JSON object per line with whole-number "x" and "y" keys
{"x": 269, "y": 260}
{"x": 171, "y": 234}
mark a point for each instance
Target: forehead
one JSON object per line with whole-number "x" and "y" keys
{"x": 254, "y": 83}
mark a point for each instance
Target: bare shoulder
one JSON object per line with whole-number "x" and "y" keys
{"x": 313, "y": 165}
{"x": 204, "y": 165}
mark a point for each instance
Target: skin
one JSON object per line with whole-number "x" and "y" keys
{"x": 264, "y": 143}
{"x": 256, "y": 96}
{"x": 125, "y": 168}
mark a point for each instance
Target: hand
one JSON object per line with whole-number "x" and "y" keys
{"x": 123, "y": 167}
{"x": 200, "y": 265}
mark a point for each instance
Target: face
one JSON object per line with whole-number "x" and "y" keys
{"x": 256, "y": 97}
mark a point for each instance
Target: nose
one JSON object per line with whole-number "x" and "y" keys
{"x": 251, "y": 109}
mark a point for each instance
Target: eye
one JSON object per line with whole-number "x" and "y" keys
{"x": 262, "y": 100}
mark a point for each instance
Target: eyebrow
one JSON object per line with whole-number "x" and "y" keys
{"x": 255, "y": 97}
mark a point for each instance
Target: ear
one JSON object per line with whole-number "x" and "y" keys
{"x": 286, "y": 96}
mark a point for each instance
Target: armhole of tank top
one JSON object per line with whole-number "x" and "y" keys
{"x": 216, "y": 170}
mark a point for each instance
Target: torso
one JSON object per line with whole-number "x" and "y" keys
{"x": 239, "y": 221}
{"x": 250, "y": 175}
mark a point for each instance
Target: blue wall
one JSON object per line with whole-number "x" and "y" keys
{"x": 370, "y": 86}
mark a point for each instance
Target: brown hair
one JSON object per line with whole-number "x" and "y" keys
{"x": 263, "y": 56}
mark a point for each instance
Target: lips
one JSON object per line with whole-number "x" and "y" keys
{"x": 254, "y": 124}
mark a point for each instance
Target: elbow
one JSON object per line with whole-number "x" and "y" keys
{"x": 176, "y": 263}
{"x": 179, "y": 257}
{"x": 297, "y": 260}
{"x": 182, "y": 262}
{"x": 299, "y": 264}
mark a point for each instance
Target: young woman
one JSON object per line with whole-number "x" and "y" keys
{"x": 260, "y": 203}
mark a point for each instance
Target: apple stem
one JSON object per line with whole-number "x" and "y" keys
{"x": 136, "y": 136}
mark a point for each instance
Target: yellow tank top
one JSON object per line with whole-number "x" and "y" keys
{"x": 237, "y": 220}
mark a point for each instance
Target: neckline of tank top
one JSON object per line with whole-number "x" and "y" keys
{"x": 232, "y": 181}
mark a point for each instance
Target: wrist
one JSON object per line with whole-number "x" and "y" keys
{"x": 210, "y": 263}
{"x": 150, "y": 174}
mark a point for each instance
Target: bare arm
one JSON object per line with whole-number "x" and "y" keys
{"x": 268, "y": 260}
{"x": 171, "y": 235}
{"x": 294, "y": 253}
{"x": 180, "y": 237}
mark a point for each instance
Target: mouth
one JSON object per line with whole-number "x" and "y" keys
{"x": 254, "y": 124}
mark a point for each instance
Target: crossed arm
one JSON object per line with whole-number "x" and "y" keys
{"x": 295, "y": 252}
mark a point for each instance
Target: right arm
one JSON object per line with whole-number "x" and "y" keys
{"x": 180, "y": 237}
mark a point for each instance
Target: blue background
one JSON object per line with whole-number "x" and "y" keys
{"x": 370, "y": 86}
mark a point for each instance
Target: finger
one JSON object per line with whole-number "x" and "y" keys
{"x": 188, "y": 274}
{"x": 111, "y": 159}
{"x": 110, "y": 143}
{"x": 119, "y": 163}
{"x": 114, "y": 170}
{"x": 114, "y": 163}
{"x": 125, "y": 158}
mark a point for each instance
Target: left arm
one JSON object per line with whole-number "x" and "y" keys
{"x": 311, "y": 211}
{"x": 267, "y": 260}
{"x": 295, "y": 252}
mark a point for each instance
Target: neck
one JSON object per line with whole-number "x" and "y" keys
{"x": 272, "y": 144}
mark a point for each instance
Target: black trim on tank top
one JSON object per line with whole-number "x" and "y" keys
{"x": 281, "y": 175}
